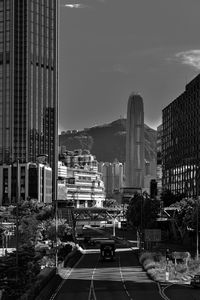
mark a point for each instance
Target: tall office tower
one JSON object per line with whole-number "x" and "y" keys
{"x": 159, "y": 159}
{"x": 28, "y": 80}
{"x": 181, "y": 142}
{"x": 135, "y": 142}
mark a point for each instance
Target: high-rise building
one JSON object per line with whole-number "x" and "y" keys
{"x": 181, "y": 142}
{"x": 28, "y": 80}
{"x": 113, "y": 177}
{"x": 135, "y": 142}
{"x": 159, "y": 159}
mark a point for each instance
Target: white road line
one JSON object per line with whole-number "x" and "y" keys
{"x": 161, "y": 291}
{"x": 122, "y": 278}
{"x": 63, "y": 281}
{"x": 92, "y": 295}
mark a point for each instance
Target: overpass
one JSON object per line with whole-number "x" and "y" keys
{"x": 88, "y": 215}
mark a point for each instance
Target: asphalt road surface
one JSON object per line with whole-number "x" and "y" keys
{"x": 121, "y": 279}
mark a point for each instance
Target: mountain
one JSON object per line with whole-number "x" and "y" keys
{"x": 107, "y": 142}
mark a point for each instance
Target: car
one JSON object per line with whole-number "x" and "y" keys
{"x": 195, "y": 281}
{"x": 107, "y": 250}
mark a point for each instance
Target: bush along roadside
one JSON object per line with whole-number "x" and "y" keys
{"x": 161, "y": 268}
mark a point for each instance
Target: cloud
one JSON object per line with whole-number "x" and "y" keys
{"x": 76, "y": 5}
{"x": 191, "y": 58}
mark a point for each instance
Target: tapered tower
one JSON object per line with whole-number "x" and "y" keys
{"x": 135, "y": 142}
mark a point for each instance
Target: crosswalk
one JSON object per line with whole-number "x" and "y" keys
{"x": 135, "y": 274}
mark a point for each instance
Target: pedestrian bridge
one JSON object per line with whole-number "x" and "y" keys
{"x": 89, "y": 215}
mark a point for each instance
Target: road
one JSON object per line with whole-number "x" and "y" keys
{"x": 122, "y": 279}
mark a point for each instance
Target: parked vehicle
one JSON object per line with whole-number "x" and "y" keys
{"x": 107, "y": 250}
{"x": 195, "y": 281}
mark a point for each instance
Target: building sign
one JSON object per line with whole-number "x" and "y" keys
{"x": 152, "y": 235}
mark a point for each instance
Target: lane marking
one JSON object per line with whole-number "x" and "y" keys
{"x": 92, "y": 295}
{"x": 63, "y": 281}
{"x": 161, "y": 291}
{"x": 123, "y": 281}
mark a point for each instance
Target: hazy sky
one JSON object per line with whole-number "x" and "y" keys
{"x": 110, "y": 48}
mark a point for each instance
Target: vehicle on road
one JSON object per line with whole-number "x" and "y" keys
{"x": 107, "y": 250}
{"x": 195, "y": 281}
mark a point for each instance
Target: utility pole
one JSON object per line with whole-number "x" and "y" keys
{"x": 197, "y": 209}
{"x": 17, "y": 217}
{"x": 141, "y": 221}
{"x": 197, "y": 228}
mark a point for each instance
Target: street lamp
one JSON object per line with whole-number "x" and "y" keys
{"x": 197, "y": 231}
{"x": 197, "y": 208}
{"x": 17, "y": 197}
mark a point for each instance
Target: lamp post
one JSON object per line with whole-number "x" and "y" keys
{"x": 197, "y": 231}
{"x": 55, "y": 179}
{"x": 56, "y": 225}
{"x": 141, "y": 222}
{"x": 17, "y": 217}
{"x": 197, "y": 209}
{"x": 123, "y": 220}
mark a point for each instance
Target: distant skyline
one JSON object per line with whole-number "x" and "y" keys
{"x": 111, "y": 48}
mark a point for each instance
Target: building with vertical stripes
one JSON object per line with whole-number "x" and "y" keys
{"x": 135, "y": 142}
{"x": 28, "y": 81}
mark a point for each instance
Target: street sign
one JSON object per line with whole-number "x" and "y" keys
{"x": 180, "y": 255}
{"x": 152, "y": 235}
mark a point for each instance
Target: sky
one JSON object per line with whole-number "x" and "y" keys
{"x": 111, "y": 48}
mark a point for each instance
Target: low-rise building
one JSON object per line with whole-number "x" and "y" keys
{"x": 79, "y": 182}
{"x": 30, "y": 180}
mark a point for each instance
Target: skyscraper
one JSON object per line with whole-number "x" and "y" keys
{"x": 28, "y": 80}
{"x": 135, "y": 142}
{"x": 181, "y": 142}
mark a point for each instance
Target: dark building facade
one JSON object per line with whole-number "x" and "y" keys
{"x": 28, "y": 80}
{"x": 159, "y": 159}
{"x": 181, "y": 142}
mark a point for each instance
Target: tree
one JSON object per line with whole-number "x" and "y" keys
{"x": 142, "y": 212}
{"x": 28, "y": 229}
{"x": 63, "y": 232}
{"x": 169, "y": 198}
{"x": 186, "y": 216}
{"x": 110, "y": 203}
{"x": 28, "y": 268}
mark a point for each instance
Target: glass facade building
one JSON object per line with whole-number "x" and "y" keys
{"x": 181, "y": 142}
{"x": 28, "y": 80}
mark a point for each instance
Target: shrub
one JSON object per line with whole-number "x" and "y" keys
{"x": 181, "y": 268}
{"x": 144, "y": 256}
{"x": 149, "y": 264}
{"x": 194, "y": 265}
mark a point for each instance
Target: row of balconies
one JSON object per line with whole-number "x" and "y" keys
{"x": 85, "y": 198}
{"x": 82, "y": 190}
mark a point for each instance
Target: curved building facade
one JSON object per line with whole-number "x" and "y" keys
{"x": 135, "y": 142}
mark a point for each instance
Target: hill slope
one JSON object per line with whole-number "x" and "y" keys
{"x": 108, "y": 141}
